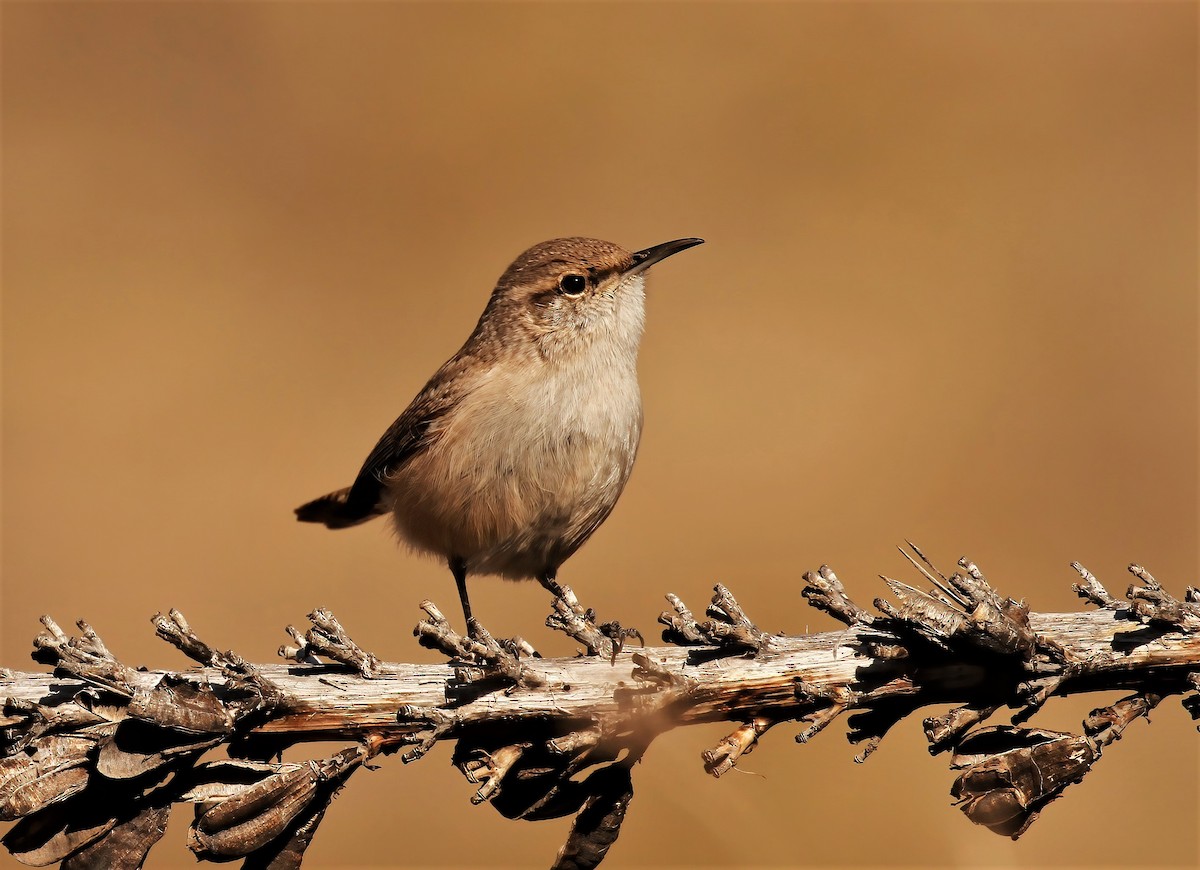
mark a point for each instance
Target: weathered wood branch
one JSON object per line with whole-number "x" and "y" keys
{"x": 321, "y": 702}
{"x": 94, "y": 755}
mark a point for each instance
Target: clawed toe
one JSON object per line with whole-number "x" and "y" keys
{"x": 615, "y": 633}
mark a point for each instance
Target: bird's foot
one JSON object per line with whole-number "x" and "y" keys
{"x": 618, "y": 635}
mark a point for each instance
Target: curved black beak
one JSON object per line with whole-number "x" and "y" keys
{"x": 643, "y": 260}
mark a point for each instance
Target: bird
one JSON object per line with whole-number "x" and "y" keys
{"x": 519, "y": 446}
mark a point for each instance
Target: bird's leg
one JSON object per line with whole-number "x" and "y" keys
{"x": 458, "y": 567}
{"x": 550, "y": 584}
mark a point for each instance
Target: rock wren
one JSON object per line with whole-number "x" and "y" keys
{"x": 520, "y": 445}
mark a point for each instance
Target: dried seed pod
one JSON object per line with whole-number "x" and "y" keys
{"x": 217, "y": 780}
{"x": 58, "y": 830}
{"x": 48, "y": 770}
{"x": 254, "y": 815}
{"x": 182, "y": 704}
{"x": 138, "y": 748}
{"x": 127, "y": 844}
{"x": 1012, "y": 773}
{"x": 262, "y": 811}
{"x": 598, "y": 823}
{"x": 286, "y": 852}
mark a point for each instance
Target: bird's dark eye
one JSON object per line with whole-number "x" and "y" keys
{"x": 572, "y": 285}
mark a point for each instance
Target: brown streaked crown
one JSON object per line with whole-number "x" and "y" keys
{"x": 594, "y": 256}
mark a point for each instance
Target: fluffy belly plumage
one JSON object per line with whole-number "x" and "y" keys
{"x": 520, "y": 499}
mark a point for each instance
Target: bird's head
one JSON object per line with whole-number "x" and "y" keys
{"x": 565, "y": 296}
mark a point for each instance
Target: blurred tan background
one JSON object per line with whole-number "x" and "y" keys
{"x": 949, "y": 293}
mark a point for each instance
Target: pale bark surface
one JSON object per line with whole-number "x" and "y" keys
{"x": 95, "y": 754}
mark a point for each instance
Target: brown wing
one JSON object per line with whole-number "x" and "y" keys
{"x": 412, "y": 433}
